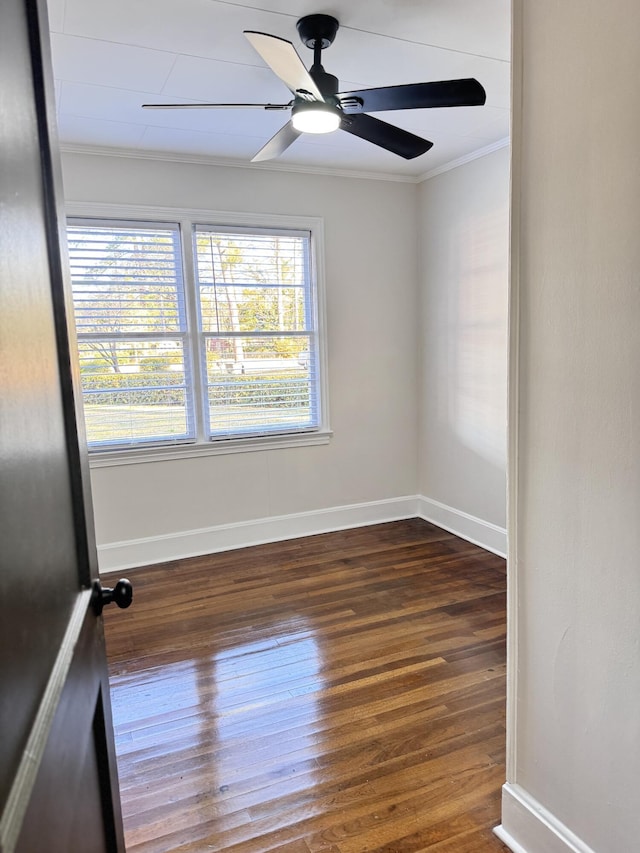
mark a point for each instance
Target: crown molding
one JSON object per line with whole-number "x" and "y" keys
{"x": 467, "y": 158}
{"x": 203, "y": 160}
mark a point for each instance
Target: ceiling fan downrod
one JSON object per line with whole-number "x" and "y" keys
{"x": 317, "y": 32}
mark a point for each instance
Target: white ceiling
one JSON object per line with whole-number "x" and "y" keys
{"x": 111, "y": 56}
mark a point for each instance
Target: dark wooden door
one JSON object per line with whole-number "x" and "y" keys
{"x": 58, "y": 785}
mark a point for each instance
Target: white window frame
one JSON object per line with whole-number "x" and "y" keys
{"x": 187, "y": 218}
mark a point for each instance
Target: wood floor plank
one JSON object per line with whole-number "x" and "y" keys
{"x": 339, "y": 693}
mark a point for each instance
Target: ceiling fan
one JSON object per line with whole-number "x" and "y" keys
{"x": 318, "y": 107}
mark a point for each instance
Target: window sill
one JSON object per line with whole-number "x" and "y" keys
{"x": 111, "y": 458}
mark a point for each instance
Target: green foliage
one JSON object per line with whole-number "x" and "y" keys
{"x": 271, "y": 309}
{"x": 95, "y": 365}
{"x": 289, "y": 347}
{"x": 160, "y": 363}
{"x": 265, "y": 391}
{"x": 117, "y": 388}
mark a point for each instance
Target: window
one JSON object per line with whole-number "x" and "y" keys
{"x": 195, "y": 335}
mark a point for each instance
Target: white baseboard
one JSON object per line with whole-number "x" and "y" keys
{"x": 483, "y": 533}
{"x": 528, "y": 827}
{"x": 118, "y": 556}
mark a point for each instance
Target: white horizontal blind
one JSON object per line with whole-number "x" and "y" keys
{"x": 131, "y": 323}
{"x": 258, "y": 331}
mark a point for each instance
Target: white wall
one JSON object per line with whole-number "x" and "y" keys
{"x": 463, "y": 273}
{"x": 574, "y": 719}
{"x": 371, "y": 273}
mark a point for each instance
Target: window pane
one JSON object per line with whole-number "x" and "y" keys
{"x": 134, "y": 391}
{"x": 129, "y": 306}
{"x": 248, "y": 259}
{"x": 257, "y": 320}
{"x": 260, "y": 385}
{"x": 125, "y": 279}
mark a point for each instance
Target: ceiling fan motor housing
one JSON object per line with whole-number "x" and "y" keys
{"x": 327, "y": 83}
{"x": 317, "y": 30}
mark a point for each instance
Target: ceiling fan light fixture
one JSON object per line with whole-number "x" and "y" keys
{"x": 315, "y": 117}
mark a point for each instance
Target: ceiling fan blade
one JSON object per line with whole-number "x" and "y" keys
{"x": 215, "y": 106}
{"x": 280, "y": 55}
{"x": 466, "y": 92}
{"x": 388, "y": 136}
{"x": 277, "y": 144}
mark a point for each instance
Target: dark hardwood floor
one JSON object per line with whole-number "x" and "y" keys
{"x": 340, "y": 693}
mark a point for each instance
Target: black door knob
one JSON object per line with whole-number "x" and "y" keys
{"x": 122, "y": 594}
